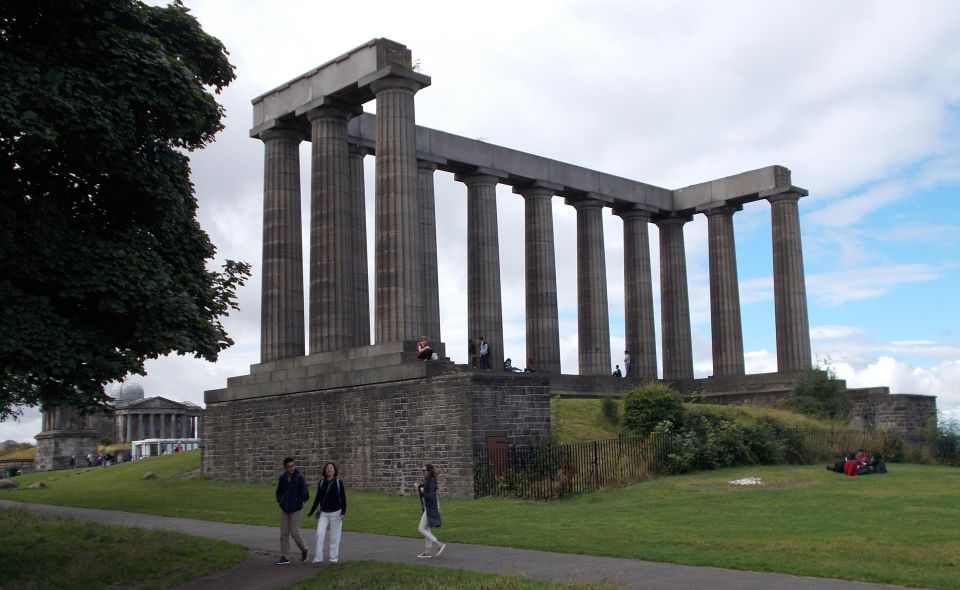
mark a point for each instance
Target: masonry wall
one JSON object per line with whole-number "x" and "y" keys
{"x": 378, "y": 435}
{"x": 907, "y": 413}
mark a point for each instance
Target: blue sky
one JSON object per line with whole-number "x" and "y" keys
{"x": 860, "y": 99}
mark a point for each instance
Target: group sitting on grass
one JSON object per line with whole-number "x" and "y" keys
{"x": 859, "y": 463}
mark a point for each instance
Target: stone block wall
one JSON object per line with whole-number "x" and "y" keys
{"x": 907, "y": 413}
{"x": 379, "y": 435}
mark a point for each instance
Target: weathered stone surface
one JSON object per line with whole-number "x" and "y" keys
{"x": 36, "y": 485}
{"x": 6, "y": 484}
{"x": 149, "y": 475}
{"x": 379, "y": 435}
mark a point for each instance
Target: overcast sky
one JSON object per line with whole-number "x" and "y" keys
{"x": 860, "y": 99}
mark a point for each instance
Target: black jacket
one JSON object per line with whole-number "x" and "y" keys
{"x": 292, "y": 492}
{"x": 331, "y": 496}
{"x": 430, "y": 503}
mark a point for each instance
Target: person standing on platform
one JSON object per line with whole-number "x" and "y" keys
{"x": 626, "y": 363}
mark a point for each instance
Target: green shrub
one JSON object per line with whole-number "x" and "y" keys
{"x": 818, "y": 393}
{"x": 650, "y": 404}
{"x": 610, "y": 411}
{"x": 943, "y": 439}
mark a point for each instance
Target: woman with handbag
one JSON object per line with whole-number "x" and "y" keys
{"x": 430, "y": 518}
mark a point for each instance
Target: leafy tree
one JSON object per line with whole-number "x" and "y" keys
{"x": 102, "y": 261}
{"x": 818, "y": 393}
{"x": 650, "y": 404}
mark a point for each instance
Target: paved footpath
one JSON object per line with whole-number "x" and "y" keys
{"x": 257, "y": 572}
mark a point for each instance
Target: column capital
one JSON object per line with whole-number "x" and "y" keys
{"x": 394, "y": 78}
{"x": 792, "y": 194}
{"x": 673, "y": 220}
{"x": 585, "y": 203}
{"x": 720, "y": 209}
{"x": 639, "y": 212}
{"x": 327, "y": 112}
{"x": 287, "y": 133}
{"x": 478, "y": 177}
{"x": 537, "y": 188}
{"x": 426, "y": 165}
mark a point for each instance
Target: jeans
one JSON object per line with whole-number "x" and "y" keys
{"x": 335, "y": 523}
{"x": 290, "y": 527}
{"x": 424, "y": 529}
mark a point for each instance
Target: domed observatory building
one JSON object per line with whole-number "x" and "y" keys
{"x": 153, "y": 425}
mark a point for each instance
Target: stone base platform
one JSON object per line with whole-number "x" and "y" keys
{"x": 377, "y": 412}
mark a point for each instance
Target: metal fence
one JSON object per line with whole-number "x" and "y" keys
{"x": 556, "y": 470}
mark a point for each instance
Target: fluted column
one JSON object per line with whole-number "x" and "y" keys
{"x": 281, "y": 302}
{"x": 358, "y": 223}
{"x": 677, "y": 346}
{"x": 428, "y": 247}
{"x": 331, "y": 233}
{"x": 593, "y": 316}
{"x": 725, "y": 322}
{"x": 789, "y": 284}
{"x": 542, "y": 312}
{"x": 484, "y": 307}
{"x": 640, "y": 328}
{"x": 399, "y": 311}
{"x": 140, "y": 430}
{"x": 129, "y": 428}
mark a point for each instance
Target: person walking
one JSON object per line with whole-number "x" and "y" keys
{"x": 332, "y": 500}
{"x": 430, "y": 518}
{"x": 291, "y": 494}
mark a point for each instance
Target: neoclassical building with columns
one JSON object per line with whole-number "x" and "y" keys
{"x": 323, "y": 390}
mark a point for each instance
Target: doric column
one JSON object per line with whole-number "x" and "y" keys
{"x": 140, "y": 431}
{"x": 428, "y": 248}
{"x": 128, "y": 422}
{"x": 789, "y": 285}
{"x": 184, "y": 426}
{"x": 677, "y": 346}
{"x": 163, "y": 425}
{"x": 543, "y": 324}
{"x": 281, "y": 312}
{"x": 484, "y": 307}
{"x": 593, "y": 316}
{"x": 361, "y": 290}
{"x": 331, "y": 233}
{"x": 725, "y": 323}
{"x": 399, "y": 309}
{"x": 640, "y": 329}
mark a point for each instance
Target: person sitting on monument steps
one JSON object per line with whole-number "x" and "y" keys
{"x": 424, "y": 352}
{"x": 508, "y": 366}
{"x": 530, "y": 368}
{"x": 332, "y": 500}
{"x": 430, "y": 518}
{"x": 291, "y": 494}
{"x": 617, "y": 373}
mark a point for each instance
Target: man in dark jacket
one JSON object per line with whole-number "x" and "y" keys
{"x": 291, "y": 494}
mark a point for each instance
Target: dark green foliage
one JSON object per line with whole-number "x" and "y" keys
{"x": 818, "y": 393}
{"x": 943, "y": 438}
{"x": 648, "y": 405}
{"x": 102, "y": 262}
{"x": 610, "y": 410}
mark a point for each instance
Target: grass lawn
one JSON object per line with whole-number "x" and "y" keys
{"x": 898, "y": 528}
{"x": 371, "y": 575}
{"x": 47, "y": 553}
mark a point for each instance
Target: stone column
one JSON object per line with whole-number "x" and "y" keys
{"x": 484, "y": 306}
{"x": 399, "y": 311}
{"x": 358, "y": 208}
{"x": 332, "y": 297}
{"x": 140, "y": 432}
{"x": 593, "y": 316}
{"x": 640, "y": 329}
{"x": 281, "y": 313}
{"x": 128, "y": 420}
{"x": 677, "y": 346}
{"x": 543, "y": 324}
{"x": 428, "y": 247}
{"x": 789, "y": 284}
{"x": 185, "y": 426}
{"x": 725, "y": 323}
{"x": 163, "y": 425}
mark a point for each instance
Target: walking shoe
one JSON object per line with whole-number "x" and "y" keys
{"x": 440, "y": 550}
{"x": 283, "y": 560}
{"x": 303, "y": 555}
{"x": 424, "y": 556}
{"x": 334, "y": 561}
